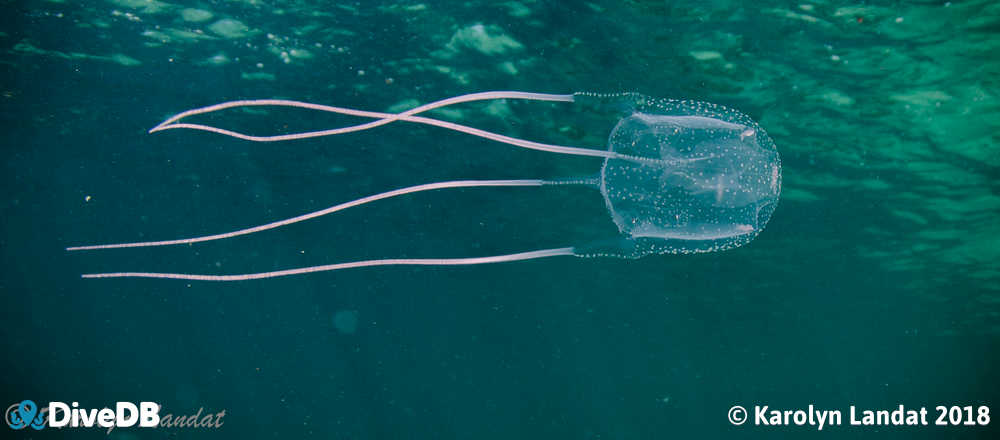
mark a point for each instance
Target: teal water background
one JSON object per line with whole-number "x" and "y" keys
{"x": 875, "y": 283}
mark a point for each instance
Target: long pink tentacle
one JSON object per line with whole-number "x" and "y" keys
{"x": 311, "y": 215}
{"x": 382, "y": 119}
{"x": 482, "y": 96}
{"x": 338, "y": 266}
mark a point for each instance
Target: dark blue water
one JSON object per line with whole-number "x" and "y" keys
{"x": 874, "y": 284}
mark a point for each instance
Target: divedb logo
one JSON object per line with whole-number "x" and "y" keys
{"x": 60, "y": 415}
{"x": 25, "y": 414}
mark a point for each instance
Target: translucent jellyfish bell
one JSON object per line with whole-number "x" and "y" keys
{"x": 695, "y": 177}
{"x": 677, "y": 177}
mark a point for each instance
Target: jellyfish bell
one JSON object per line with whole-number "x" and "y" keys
{"x": 691, "y": 177}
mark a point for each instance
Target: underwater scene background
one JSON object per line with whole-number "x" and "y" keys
{"x": 875, "y": 283}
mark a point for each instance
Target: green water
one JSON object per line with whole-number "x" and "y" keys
{"x": 875, "y": 283}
